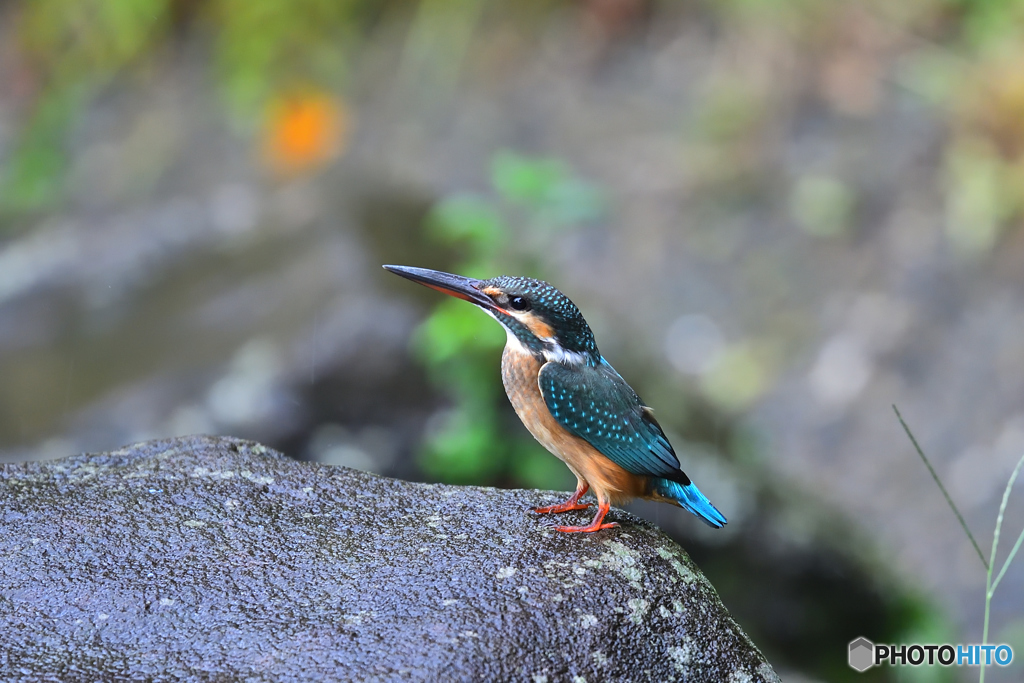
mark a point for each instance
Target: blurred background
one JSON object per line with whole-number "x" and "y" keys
{"x": 779, "y": 216}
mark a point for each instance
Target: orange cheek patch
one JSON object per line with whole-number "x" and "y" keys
{"x": 491, "y": 291}
{"x": 538, "y": 326}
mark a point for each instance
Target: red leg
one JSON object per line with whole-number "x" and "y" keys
{"x": 595, "y": 525}
{"x": 572, "y": 504}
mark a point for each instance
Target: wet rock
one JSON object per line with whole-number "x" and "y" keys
{"x": 218, "y": 559}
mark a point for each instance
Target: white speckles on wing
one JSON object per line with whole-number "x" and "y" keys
{"x": 596, "y": 404}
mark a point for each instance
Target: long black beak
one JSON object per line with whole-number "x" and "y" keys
{"x": 455, "y": 285}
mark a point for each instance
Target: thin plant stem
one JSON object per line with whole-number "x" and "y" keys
{"x": 1009, "y": 559}
{"x": 989, "y": 586}
{"x": 942, "y": 488}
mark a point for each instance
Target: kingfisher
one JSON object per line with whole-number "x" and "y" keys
{"x": 573, "y": 401}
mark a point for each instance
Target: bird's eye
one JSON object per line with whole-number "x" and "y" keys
{"x": 518, "y": 303}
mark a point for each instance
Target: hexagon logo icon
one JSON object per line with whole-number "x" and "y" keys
{"x": 862, "y": 654}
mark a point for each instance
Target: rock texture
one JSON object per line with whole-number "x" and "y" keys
{"x": 218, "y": 559}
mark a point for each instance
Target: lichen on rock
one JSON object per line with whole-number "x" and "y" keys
{"x": 216, "y": 558}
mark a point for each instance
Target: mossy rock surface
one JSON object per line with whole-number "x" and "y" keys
{"x": 208, "y": 558}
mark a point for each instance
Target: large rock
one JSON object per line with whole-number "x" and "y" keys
{"x": 218, "y": 559}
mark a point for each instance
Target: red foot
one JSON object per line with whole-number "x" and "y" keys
{"x": 569, "y": 505}
{"x": 595, "y": 525}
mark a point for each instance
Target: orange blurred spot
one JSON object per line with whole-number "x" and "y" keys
{"x": 304, "y": 131}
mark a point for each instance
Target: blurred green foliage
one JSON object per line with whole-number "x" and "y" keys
{"x": 264, "y": 45}
{"x": 461, "y": 346}
{"x": 77, "y": 40}
{"x": 965, "y": 57}
{"x": 34, "y": 173}
{"x": 75, "y": 46}
{"x": 259, "y": 49}
{"x": 822, "y": 206}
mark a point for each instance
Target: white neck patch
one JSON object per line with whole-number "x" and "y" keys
{"x": 553, "y": 352}
{"x": 556, "y": 354}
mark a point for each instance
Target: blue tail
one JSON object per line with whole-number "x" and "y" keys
{"x": 689, "y": 497}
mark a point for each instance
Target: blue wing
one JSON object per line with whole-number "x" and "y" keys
{"x": 597, "y": 405}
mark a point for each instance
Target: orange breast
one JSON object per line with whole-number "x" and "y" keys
{"x": 609, "y": 481}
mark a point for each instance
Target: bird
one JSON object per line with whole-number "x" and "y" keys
{"x": 573, "y": 401}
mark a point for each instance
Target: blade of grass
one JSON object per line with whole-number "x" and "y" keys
{"x": 999, "y": 523}
{"x": 942, "y": 488}
{"x": 1009, "y": 559}
{"x": 990, "y": 586}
